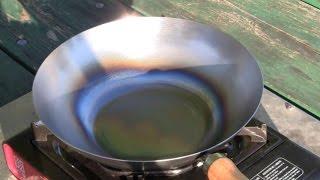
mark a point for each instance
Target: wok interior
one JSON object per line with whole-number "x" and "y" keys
{"x": 151, "y": 93}
{"x": 154, "y": 121}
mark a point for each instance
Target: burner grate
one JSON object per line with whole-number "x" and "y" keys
{"x": 247, "y": 142}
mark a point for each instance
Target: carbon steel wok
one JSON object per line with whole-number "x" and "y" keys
{"x": 147, "y": 93}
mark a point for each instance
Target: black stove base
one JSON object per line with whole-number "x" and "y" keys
{"x": 279, "y": 158}
{"x": 285, "y": 161}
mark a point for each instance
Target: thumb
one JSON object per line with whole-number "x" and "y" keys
{"x": 224, "y": 169}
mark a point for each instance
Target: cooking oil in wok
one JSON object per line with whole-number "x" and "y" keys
{"x": 154, "y": 121}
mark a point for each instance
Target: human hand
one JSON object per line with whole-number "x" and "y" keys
{"x": 222, "y": 168}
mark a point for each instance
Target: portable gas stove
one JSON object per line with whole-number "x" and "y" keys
{"x": 259, "y": 153}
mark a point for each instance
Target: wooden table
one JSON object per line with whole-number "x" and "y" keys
{"x": 284, "y": 36}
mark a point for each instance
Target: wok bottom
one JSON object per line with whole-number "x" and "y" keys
{"x": 155, "y": 121}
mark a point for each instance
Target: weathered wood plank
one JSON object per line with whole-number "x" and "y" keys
{"x": 30, "y": 29}
{"x": 296, "y": 18}
{"x": 290, "y": 62}
{"x": 15, "y": 81}
{"x": 290, "y": 67}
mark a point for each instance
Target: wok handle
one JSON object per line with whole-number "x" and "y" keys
{"x": 217, "y": 167}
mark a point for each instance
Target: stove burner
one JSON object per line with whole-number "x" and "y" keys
{"x": 247, "y": 141}
{"x": 43, "y": 155}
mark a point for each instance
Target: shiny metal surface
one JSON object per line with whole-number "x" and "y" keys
{"x": 85, "y": 72}
{"x": 256, "y": 134}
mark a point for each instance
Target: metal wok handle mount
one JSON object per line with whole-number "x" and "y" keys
{"x": 256, "y": 134}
